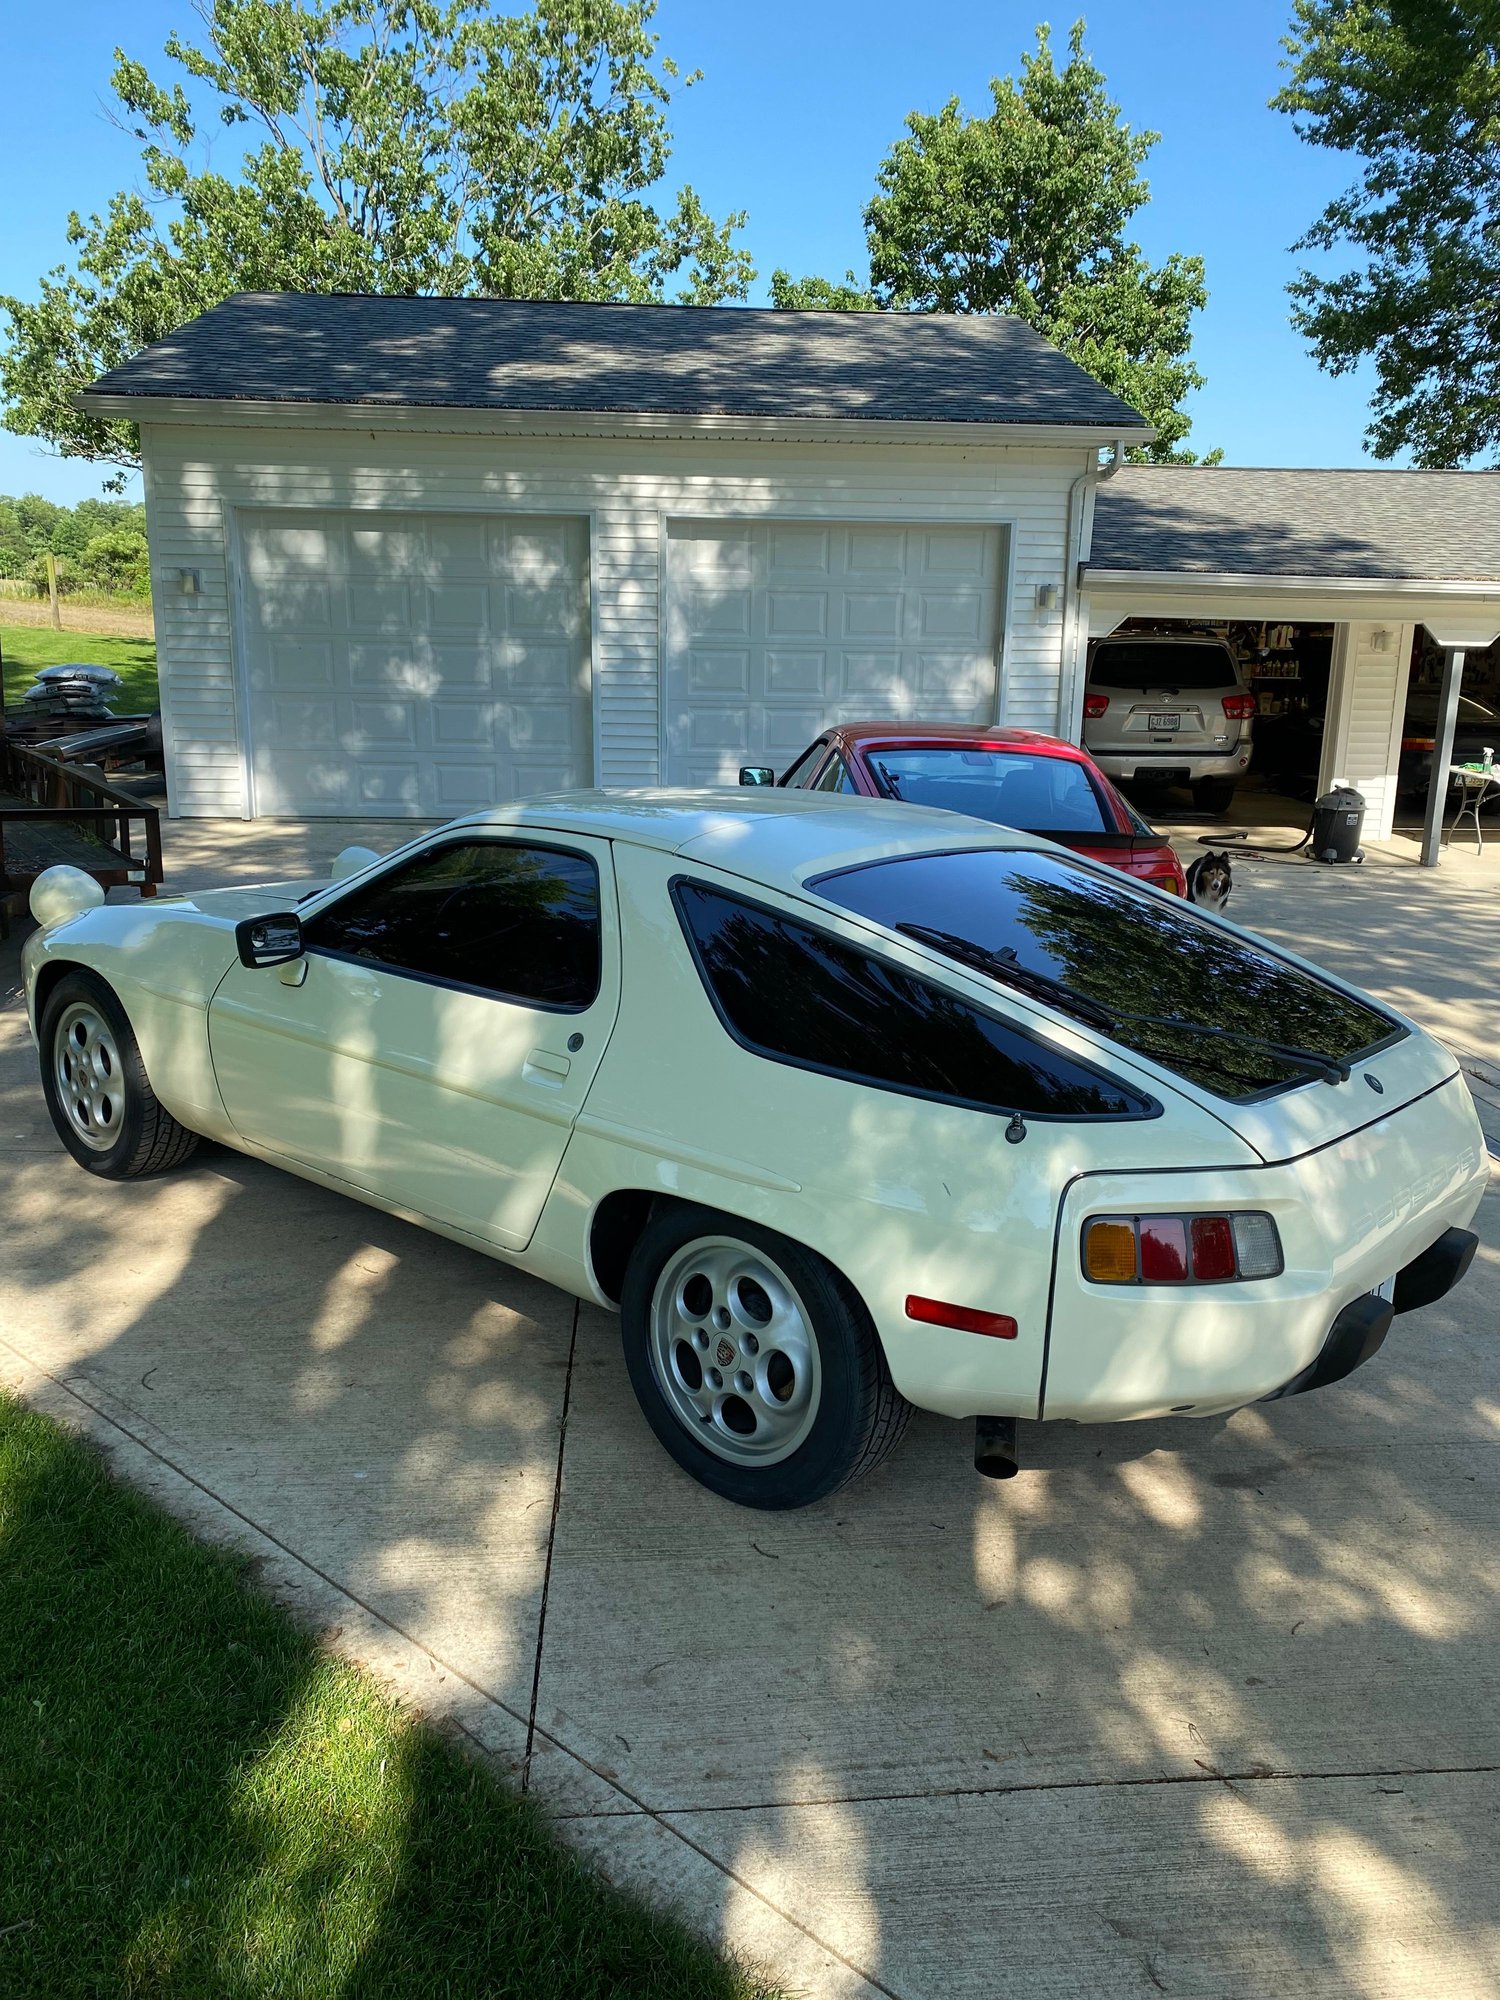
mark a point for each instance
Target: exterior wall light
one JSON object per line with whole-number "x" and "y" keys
{"x": 1046, "y": 597}
{"x": 1380, "y": 640}
{"x": 189, "y": 583}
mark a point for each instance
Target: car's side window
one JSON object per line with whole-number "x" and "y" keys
{"x": 509, "y": 918}
{"x": 834, "y": 776}
{"x": 798, "y": 995}
{"x": 798, "y": 774}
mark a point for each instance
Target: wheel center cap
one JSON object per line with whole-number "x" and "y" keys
{"x": 724, "y": 1353}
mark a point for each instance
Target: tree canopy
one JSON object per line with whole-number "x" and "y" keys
{"x": 1026, "y": 210}
{"x": 1412, "y": 89}
{"x": 406, "y": 146}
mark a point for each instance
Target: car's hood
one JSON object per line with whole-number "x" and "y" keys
{"x": 257, "y": 900}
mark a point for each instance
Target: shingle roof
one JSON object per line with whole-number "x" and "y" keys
{"x": 511, "y": 354}
{"x": 1253, "y": 521}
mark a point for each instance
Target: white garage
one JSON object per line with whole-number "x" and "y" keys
{"x": 775, "y": 630}
{"x": 415, "y": 556}
{"x": 421, "y": 665}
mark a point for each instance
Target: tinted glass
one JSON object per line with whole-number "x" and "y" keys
{"x": 834, "y": 777}
{"x": 519, "y": 922}
{"x": 803, "y": 766}
{"x": 794, "y": 993}
{"x": 1125, "y": 949}
{"x": 1010, "y": 787}
{"x": 1123, "y": 664}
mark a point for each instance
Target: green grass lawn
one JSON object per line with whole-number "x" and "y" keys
{"x": 28, "y": 647}
{"x": 196, "y": 1801}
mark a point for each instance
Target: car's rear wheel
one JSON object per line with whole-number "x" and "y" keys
{"x": 754, "y": 1361}
{"x": 1213, "y": 795}
{"x": 101, "y": 1100}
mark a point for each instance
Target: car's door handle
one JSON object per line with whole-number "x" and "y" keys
{"x": 543, "y": 1067}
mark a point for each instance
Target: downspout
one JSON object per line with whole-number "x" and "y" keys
{"x": 1069, "y": 724}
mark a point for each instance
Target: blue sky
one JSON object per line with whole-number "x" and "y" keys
{"x": 799, "y": 102}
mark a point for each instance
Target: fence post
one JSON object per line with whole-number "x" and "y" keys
{"x": 51, "y": 562}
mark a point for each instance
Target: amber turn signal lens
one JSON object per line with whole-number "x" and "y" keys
{"x": 1109, "y": 1253}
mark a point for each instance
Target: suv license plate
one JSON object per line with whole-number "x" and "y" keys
{"x": 1164, "y": 722}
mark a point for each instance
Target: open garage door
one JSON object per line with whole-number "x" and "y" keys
{"x": 775, "y": 630}
{"x": 418, "y": 665}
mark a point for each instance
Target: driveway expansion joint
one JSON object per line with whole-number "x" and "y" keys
{"x": 541, "y": 1616}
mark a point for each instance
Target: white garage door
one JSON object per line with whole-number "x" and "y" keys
{"x": 777, "y": 630}
{"x": 421, "y": 664}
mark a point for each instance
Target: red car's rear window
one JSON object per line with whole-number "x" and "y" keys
{"x": 1007, "y": 787}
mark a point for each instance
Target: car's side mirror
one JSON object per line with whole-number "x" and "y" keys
{"x": 273, "y": 940}
{"x": 757, "y": 774}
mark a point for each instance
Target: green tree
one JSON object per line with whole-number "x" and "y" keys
{"x": 1025, "y": 211}
{"x": 117, "y": 559}
{"x": 1412, "y": 88}
{"x": 404, "y": 146}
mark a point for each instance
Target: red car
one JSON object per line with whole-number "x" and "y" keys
{"x": 1014, "y": 777}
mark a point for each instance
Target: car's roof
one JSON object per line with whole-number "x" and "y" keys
{"x": 857, "y": 735}
{"x": 771, "y": 835}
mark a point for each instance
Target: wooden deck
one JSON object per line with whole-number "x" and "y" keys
{"x": 51, "y": 813}
{"x": 32, "y": 845}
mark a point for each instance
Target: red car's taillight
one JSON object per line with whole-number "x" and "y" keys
{"x": 1180, "y": 1249}
{"x": 1239, "y": 707}
{"x": 1419, "y": 743}
{"x": 1094, "y": 705}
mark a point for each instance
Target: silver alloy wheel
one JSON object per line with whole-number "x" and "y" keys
{"x": 733, "y": 1351}
{"x": 89, "y": 1075}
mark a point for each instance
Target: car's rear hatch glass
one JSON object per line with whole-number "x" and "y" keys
{"x": 1139, "y": 666}
{"x": 1131, "y": 952}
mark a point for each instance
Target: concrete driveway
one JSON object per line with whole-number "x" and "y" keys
{"x": 1197, "y": 1708}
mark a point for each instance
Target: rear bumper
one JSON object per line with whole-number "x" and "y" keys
{"x": 1361, "y": 1328}
{"x": 1186, "y": 767}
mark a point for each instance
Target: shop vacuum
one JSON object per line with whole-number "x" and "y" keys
{"x": 1333, "y": 832}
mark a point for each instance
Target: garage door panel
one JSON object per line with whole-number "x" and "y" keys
{"x": 793, "y": 674}
{"x": 798, "y": 549}
{"x": 450, "y": 656}
{"x": 718, "y": 673}
{"x": 876, "y": 552}
{"x": 867, "y": 601}
{"x": 957, "y": 552}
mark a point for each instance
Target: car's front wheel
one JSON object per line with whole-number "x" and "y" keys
{"x": 754, "y": 1361}
{"x": 97, "y": 1090}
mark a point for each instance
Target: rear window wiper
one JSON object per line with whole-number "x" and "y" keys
{"x": 1003, "y": 965}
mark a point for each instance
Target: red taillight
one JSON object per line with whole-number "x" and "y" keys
{"x": 1000, "y": 1326}
{"x": 1419, "y": 743}
{"x": 1164, "y": 1250}
{"x": 1094, "y": 705}
{"x": 1213, "y": 1247}
{"x": 1239, "y": 707}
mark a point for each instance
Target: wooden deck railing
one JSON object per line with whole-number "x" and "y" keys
{"x": 54, "y": 813}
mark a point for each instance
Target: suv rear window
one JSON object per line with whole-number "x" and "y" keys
{"x": 798, "y": 995}
{"x": 1125, "y": 949}
{"x": 1139, "y": 664}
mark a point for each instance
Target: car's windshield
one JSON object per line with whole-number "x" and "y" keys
{"x": 1139, "y": 664}
{"x": 1130, "y": 952}
{"x": 1010, "y": 787}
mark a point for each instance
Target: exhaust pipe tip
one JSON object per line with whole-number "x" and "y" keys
{"x": 995, "y": 1452}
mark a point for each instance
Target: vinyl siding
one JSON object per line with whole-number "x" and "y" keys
{"x": 200, "y": 477}
{"x": 1367, "y": 697}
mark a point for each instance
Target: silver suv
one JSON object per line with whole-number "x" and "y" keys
{"x": 1169, "y": 711}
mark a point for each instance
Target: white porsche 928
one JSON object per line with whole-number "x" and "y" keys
{"x": 845, "y": 1107}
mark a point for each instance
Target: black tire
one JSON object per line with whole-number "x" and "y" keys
{"x": 858, "y": 1414}
{"x": 135, "y": 1135}
{"x": 1213, "y": 795}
